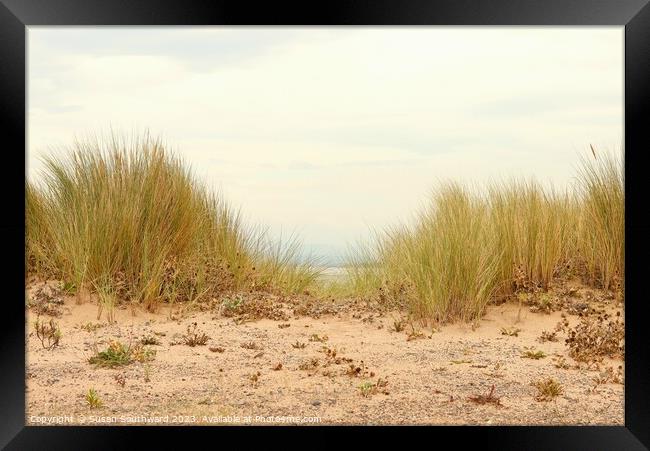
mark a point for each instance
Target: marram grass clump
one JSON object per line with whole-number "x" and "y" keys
{"x": 602, "y": 221}
{"x": 469, "y": 246}
{"x": 125, "y": 218}
{"x": 443, "y": 266}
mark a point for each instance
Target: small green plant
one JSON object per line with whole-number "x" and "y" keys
{"x": 530, "y": 353}
{"x": 232, "y": 305}
{"x": 298, "y": 345}
{"x": 93, "y": 399}
{"x": 69, "y": 288}
{"x": 194, "y": 337}
{"x": 118, "y": 354}
{"x": 548, "y": 389}
{"x": 49, "y": 334}
{"x": 368, "y": 388}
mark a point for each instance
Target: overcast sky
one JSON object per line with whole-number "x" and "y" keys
{"x": 330, "y": 131}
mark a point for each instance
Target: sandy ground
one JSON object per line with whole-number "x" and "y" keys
{"x": 429, "y": 380}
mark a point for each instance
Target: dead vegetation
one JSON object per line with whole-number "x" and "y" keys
{"x": 548, "y": 336}
{"x": 194, "y": 336}
{"x": 542, "y": 302}
{"x": 309, "y": 364}
{"x": 47, "y": 299}
{"x": 489, "y": 398}
{"x": 150, "y": 340}
{"x": 316, "y": 308}
{"x": 298, "y": 345}
{"x": 510, "y": 331}
{"x": 358, "y": 370}
{"x": 569, "y": 299}
{"x": 49, "y": 334}
{"x": 317, "y": 338}
{"x": 608, "y": 376}
{"x": 398, "y": 325}
{"x": 251, "y": 345}
{"x": 325, "y": 365}
{"x": 252, "y": 307}
{"x": 332, "y": 357}
{"x": 416, "y": 335}
{"x": 120, "y": 379}
{"x": 594, "y": 338}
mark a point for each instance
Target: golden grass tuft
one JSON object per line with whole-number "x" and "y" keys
{"x": 602, "y": 222}
{"x": 469, "y": 246}
{"x": 127, "y": 219}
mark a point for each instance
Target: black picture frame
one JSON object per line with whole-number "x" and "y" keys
{"x": 634, "y": 15}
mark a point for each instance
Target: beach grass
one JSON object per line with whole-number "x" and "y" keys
{"x": 602, "y": 226}
{"x": 126, "y": 218}
{"x": 471, "y": 245}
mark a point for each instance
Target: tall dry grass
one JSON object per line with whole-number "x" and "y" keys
{"x": 469, "y": 246}
{"x": 126, "y": 218}
{"x": 532, "y": 228}
{"x": 601, "y": 237}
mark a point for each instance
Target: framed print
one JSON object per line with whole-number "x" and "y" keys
{"x": 381, "y": 214}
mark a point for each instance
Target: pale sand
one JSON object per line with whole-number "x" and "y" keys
{"x": 429, "y": 380}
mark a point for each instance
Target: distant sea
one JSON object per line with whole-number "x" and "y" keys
{"x": 333, "y": 273}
